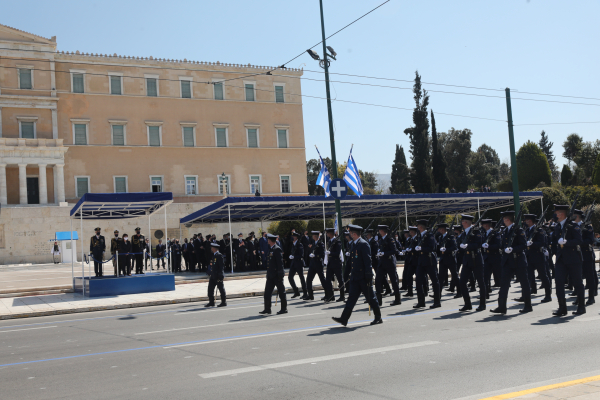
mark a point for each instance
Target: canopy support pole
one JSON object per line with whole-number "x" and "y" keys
{"x": 406, "y": 214}
{"x": 149, "y": 242}
{"x": 82, "y": 266}
{"x": 167, "y": 255}
{"x": 230, "y": 237}
{"x": 72, "y": 257}
{"x": 325, "y": 227}
{"x": 542, "y": 200}
{"x": 478, "y": 209}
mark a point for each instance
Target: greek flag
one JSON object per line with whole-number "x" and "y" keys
{"x": 324, "y": 179}
{"x": 352, "y": 177}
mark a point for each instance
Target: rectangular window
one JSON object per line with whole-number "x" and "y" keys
{"x": 218, "y": 87}
{"x": 279, "y": 94}
{"x": 188, "y": 136}
{"x": 25, "y": 78}
{"x": 156, "y": 184}
{"x": 151, "y": 88}
{"x": 120, "y": 184}
{"x": 221, "y": 137}
{"x": 186, "y": 89}
{"x": 77, "y": 83}
{"x": 285, "y": 184}
{"x": 252, "y": 137}
{"x": 254, "y": 184}
{"x": 118, "y": 135}
{"x": 249, "y": 91}
{"x": 154, "y": 136}
{"x": 115, "y": 84}
{"x": 190, "y": 185}
{"x": 82, "y": 186}
{"x": 80, "y": 134}
{"x": 282, "y": 138}
{"x": 27, "y": 130}
{"x": 224, "y": 180}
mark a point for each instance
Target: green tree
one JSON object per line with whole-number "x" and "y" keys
{"x": 317, "y": 224}
{"x": 532, "y": 166}
{"x": 313, "y": 167}
{"x": 438, "y": 164}
{"x": 283, "y": 228}
{"x": 456, "y": 146}
{"x": 587, "y": 195}
{"x": 572, "y": 146}
{"x": 566, "y": 175}
{"x": 586, "y": 160}
{"x": 546, "y": 146}
{"x": 550, "y": 196}
{"x": 421, "y": 178}
{"x": 596, "y": 172}
{"x": 400, "y": 174}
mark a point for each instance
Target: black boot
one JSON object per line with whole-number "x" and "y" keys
{"x": 482, "y": 303}
{"x": 296, "y": 293}
{"x": 397, "y": 300}
{"x": 590, "y": 300}
{"x": 562, "y": 308}
{"x": 436, "y": 300}
{"x": 420, "y": 301}
{"x": 548, "y": 297}
{"x": 468, "y": 306}
{"x": 580, "y": 305}
{"x": 501, "y": 309}
{"x": 379, "y": 299}
{"x": 527, "y": 307}
{"x": 409, "y": 293}
{"x": 210, "y": 304}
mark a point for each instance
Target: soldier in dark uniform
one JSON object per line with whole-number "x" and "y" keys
{"x": 411, "y": 260}
{"x": 97, "y": 248}
{"x": 137, "y": 246}
{"x": 386, "y": 257}
{"x": 316, "y": 268}
{"x": 125, "y": 256}
{"x": 239, "y": 249}
{"x": 251, "y": 251}
{"x": 472, "y": 263}
{"x": 513, "y": 262}
{"x": 275, "y": 274}
{"x": 447, "y": 249}
{"x": 405, "y": 255}
{"x": 114, "y": 247}
{"x": 492, "y": 254}
{"x": 347, "y": 242}
{"x": 536, "y": 260}
{"x": 161, "y": 249}
{"x": 459, "y": 234}
{"x": 361, "y": 277}
{"x": 589, "y": 258}
{"x": 427, "y": 265}
{"x": 297, "y": 266}
{"x": 374, "y": 246}
{"x": 216, "y": 269}
{"x": 176, "y": 255}
{"x": 334, "y": 262}
{"x": 306, "y": 240}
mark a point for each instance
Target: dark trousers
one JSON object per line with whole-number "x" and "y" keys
{"x": 421, "y": 274}
{"x": 408, "y": 276}
{"x": 540, "y": 267}
{"x": 469, "y": 269}
{"x": 125, "y": 264}
{"x": 324, "y": 282}
{"x": 240, "y": 262}
{"x": 297, "y": 269}
{"x": 355, "y": 290}
{"x": 186, "y": 259}
{"x": 263, "y": 259}
{"x": 382, "y": 275}
{"x": 98, "y": 264}
{"x": 492, "y": 267}
{"x": 176, "y": 262}
{"x": 446, "y": 267}
{"x": 575, "y": 272}
{"x": 269, "y": 286}
{"x": 218, "y": 283}
{"x": 508, "y": 272}
{"x": 335, "y": 270}
{"x": 591, "y": 277}
{"x": 158, "y": 260}
{"x": 139, "y": 263}
{"x": 251, "y": 261}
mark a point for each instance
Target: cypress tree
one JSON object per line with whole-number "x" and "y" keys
{"x": 596, "y": 172}
{"x": 400, "y": 174}
{"x": 546, "y": 146}
{"x": 438, "y": 164}
{"x": 566, "y": 175}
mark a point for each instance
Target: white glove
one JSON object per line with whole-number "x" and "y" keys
{"x": 508, "y": 250}
{"x": 327, "y": 252}
{"x": 562, "y": 241}
{"x": 463, "y": 246}
{"x": 401, "y": 253}
{"x": 347, "y": 254}
{"x": 529, "y": 243}
{"x": 418, "y": 248}
{"x": 291, "y": 257}
{"x": 380, "y": 254}
{"x": 312, "y": 255}
{"x": 485, "y": 245}
{"x": 442, "y": 249}
{"x": 409, "y": 249}
{"x": 546, "y": 253}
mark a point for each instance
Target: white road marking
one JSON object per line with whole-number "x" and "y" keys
{"x": 215, "y": 309}
{"x": 587, "y": 319}
{"x": 226, "y": 323}
{"x": 29, "y": 329}
{"x": 315, "y": 360}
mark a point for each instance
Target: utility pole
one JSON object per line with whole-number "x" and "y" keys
{"x": 338, "y": 208}
{"x": 513, "y": 157}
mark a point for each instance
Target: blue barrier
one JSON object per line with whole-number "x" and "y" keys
{"x": 114, "y": 286}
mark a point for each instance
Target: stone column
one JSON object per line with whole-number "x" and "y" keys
{"x": 59, "y": 173}
{"x": 22, "y": 183}
{"x": 3, "y": 193}
{"x": 43, "y": 185}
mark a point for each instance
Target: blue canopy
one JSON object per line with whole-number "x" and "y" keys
{"x": 292, "y": 208}
{"x": 66, "y": 235}
{"x": 119, "y": 205}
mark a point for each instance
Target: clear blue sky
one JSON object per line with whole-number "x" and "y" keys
{"x": 543, "y": 46}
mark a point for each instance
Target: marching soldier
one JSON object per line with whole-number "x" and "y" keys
{"x": 275, "y": 274}
{"x": 427, "y": 266}
{"x": 374, "y": 246}
{"x": 386, "y": 257}
{"x": 472, "y": 263}
{"x": 297, "y": 266}
{"x": 536, "y": 260}
{"x": 459, "y": 234}
{"x": 97, "y": 248}
{"x": 216, "y": 272}
{"x": 514, "y": 262}
{"x": 361, "y": 277}
{"x": 448, "y": 249}
{"x": 410, "y": 260}
{"x": 347, "y": 241}
{"x": 316, "y": 268}
{"x": 589, "y": 258}
{"x": 405, "y": 253}
{"x": 492, "y": 254}
{"x": 114, "y": 247}
{"x": 334, "y": 263}
{"x": 137, "y": 246}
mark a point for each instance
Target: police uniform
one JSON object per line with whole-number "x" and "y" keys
{"x": 97, "y": 248}
{"x": 316, "y": 268}
{"x": 114, "y": 247}
{"x": 536, "y": 259}
{"x": 405, "y": 255}
{"x": 275, "y": 274}
{"x": 217, "y": 274}
{"x": 334, "y": 263}
{"x": 589, "y": 259}
{"x": 297, "y": 266}
{"x": 361, "y": 279}
{"x": 386, "y": 257}
{"x": 374, "y": 246}
{"x": 410, "y": 262}
{"x": 492, "y": 256}
{"x": 137, "y": 246}
{"x": 472, "y": 264}
{"x": 447, "y": 251}
{"x": 427, "y": 266}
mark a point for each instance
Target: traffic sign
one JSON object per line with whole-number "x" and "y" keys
{"x": 338, "y": 189}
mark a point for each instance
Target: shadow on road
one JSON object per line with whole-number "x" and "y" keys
{"x": 336, "y": 330}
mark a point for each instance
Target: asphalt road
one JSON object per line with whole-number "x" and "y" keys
{"x": 189, "y": 352}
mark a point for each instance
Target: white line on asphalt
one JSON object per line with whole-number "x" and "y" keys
{"x": 38, "y": 279}
{"x": 214, "y": 309}
{"x": 315, "y": 359}
{"x": 29, "y": 329}
{"x": 227, "y": 323}
{"x": 588, "y": 319}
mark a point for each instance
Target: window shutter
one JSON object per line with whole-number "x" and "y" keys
{"x": 118, "y": 135}
{"x": 82, "y": 186}
{"x": 154, "y": 135}
{"x": 120, "y": 184}
{"x": 249, "y": 92}
{"x": 221, "y": 137}
{"x": 27, "y": 130}
{"x": 279, "y": 94}
{"x": 282, "y": 138}
{"x": 186, "y": 91}
{"x": 25, "y": 79}
{"x": 151, "y": 87}
{"x": 80, "y": 134}
{"x": 218, "y": 90}
{"x": 188, "y": 136}
{"x": 115, "y": 85}
{"x": 252, "y": 138}
{"x": 77, "y": 83}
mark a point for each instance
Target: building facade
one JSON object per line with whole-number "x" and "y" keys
{"x": 72, "y": 123}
